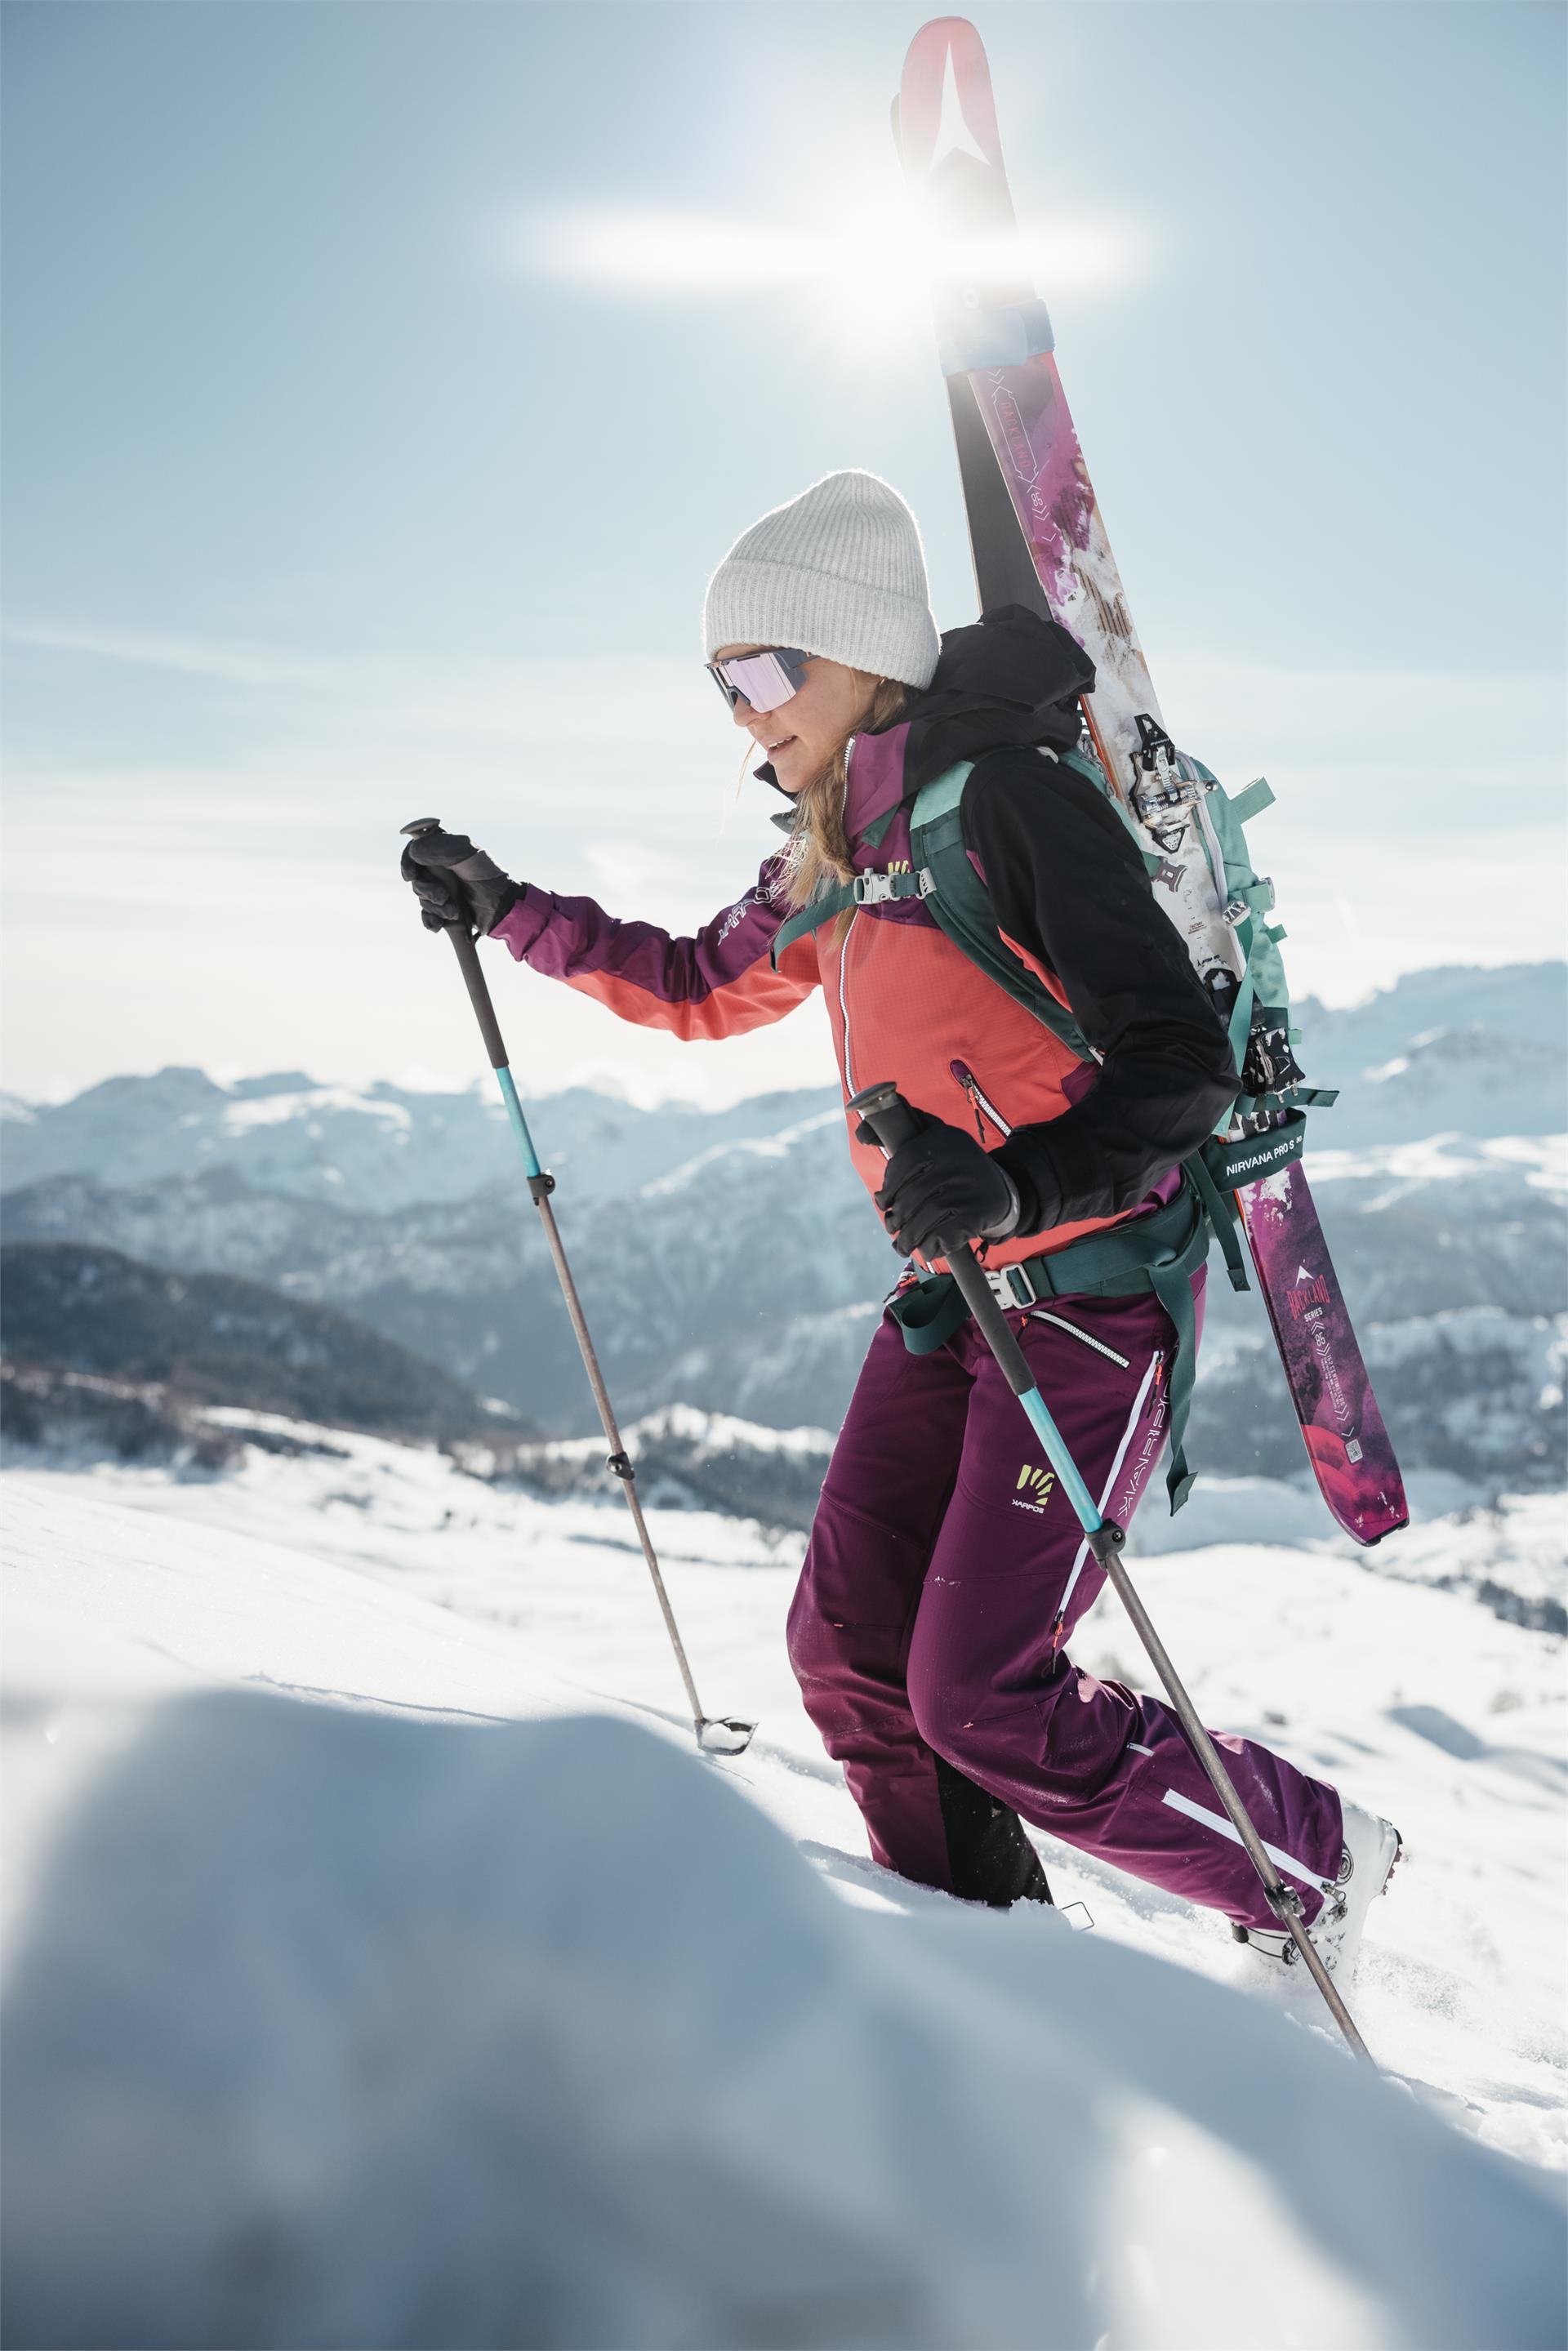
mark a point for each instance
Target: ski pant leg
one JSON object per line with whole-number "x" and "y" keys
{"x": 1096, "y": 1765}
{"x": 883, "y": 1502}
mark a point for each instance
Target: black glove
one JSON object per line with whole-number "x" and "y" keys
{"x": 942, "y": 1188}
{"x": 456, "y": 882}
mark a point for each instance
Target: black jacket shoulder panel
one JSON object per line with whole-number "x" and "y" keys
{"x": 1070, "y": 887}
{"x": 1010, "y": 677}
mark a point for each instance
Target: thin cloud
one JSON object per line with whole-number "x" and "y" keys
{"x": 235, "y": 664}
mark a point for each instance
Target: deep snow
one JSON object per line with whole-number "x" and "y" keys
{"x": 369, "y": 2020}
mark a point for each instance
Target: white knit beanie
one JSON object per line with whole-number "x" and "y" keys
{"x": 838, "y": 572}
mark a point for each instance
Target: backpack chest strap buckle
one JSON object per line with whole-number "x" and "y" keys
{"x": 876, "y": 889}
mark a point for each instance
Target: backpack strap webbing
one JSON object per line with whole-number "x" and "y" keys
{"x": 865, "y": 889}
{"x": 961, "y": 905}
{"x": 1161, "y": 1252}
{"x": 943, "y": 874}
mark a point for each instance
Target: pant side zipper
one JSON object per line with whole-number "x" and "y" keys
{"x": 1043, "y": 1314}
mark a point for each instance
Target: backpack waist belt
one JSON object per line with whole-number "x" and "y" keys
{"x": 1159, "y": 1252}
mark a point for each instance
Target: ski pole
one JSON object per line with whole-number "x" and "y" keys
{"x": 715, "y": 1734}
{"x": 888, "y": 1115}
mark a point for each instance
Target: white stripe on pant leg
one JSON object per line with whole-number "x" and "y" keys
{"x": 1127, "y": 1435}
{"x": 1228, "y": 1828}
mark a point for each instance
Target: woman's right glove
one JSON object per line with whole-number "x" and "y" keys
{"x": 456, "y": 883}
{"x": 943, "y": 1190}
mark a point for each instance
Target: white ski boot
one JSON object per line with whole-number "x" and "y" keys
{"x": 1372, "y": 1846}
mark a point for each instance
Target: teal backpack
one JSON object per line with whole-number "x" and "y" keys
{"x": 1161, "y": 1250}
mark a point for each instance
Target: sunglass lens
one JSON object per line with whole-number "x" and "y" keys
{"x": 766, "y": 679}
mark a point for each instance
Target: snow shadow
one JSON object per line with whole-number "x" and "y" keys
{"x": 1456, "y": 1739}
{"x": 336, "y": 2028}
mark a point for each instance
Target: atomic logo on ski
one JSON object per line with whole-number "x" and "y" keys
{"x": 954, "y": 136}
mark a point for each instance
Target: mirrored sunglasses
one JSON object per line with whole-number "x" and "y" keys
{"x": 764, "y": 679}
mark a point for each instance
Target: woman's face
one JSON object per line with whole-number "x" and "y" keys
{"x": 802, "y": 733}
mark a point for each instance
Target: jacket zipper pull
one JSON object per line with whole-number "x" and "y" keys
{"x": 966, "y": 1078}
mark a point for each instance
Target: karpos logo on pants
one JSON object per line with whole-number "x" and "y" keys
{"x": 1038, "y": 1483}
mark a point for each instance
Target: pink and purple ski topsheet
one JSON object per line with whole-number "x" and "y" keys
{"x": 995, "y": 334}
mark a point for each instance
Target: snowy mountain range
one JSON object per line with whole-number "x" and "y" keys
{"x": 727, "y": 1260}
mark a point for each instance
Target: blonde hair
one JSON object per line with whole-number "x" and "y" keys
{"x": 816, "y": 848}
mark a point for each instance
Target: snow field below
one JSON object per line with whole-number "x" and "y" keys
{"x": 855, "y": 2092}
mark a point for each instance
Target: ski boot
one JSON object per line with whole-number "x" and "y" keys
{"x": 1372, "y": 1847}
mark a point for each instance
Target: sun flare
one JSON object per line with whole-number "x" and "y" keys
{"x": 870, "y": 251}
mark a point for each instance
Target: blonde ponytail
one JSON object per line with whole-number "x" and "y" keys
{"x": 817, "y": 850}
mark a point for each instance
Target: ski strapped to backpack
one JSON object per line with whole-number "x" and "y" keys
{"x": 1161, "y": 1251}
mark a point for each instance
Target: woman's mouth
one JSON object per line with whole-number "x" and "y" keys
{"x": 773, "y": 749}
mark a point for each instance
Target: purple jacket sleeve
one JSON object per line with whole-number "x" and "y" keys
{"x": 715, "y": 985}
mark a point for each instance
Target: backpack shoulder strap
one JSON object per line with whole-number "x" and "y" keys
{"x": 961, "y": 904}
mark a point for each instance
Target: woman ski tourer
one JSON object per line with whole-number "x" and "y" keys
{"x": 945, "y": 1568}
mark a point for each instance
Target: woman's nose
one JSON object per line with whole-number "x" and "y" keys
{"x": 742, "y": 712}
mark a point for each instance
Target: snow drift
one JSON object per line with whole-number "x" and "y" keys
{"x": 333, "y": 2028}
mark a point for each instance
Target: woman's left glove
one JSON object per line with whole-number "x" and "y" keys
{"x": 944, "y": 1187}
{"x": 456, "y": 883}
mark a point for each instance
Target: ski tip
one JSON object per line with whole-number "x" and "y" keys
{"x": 939, "y": 38}
{"x": 944, "y": 29}
{"x": 946, "y": 102}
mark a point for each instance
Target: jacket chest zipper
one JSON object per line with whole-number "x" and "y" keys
{"x": 844, "y": 1002}
{"x": 980, "y": 1103}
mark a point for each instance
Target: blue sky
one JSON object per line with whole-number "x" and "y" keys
{"x": 354, "y": 470}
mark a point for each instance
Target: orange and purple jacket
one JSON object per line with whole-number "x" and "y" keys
{"x": 1087, "y": 1144}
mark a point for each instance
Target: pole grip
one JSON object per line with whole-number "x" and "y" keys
{"x": 478, "y": 988}
{"x": 891, "y": 1120}
{"x": 883, "y": 1109}
{"x": 467, "y": 954}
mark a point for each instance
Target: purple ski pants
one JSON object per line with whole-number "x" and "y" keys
{"x": 921, "y": 1632}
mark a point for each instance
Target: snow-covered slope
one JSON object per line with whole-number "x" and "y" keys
{"x": 372, "y": 1979}
{"x": 358, "y": 2016}
{"x": 1412, "y": 1696}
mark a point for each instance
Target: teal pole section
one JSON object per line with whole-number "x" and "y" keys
{"x": 508, "y": 1086}
{"x": 1062, "y": 1460}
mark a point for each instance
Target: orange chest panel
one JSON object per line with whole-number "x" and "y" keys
{"x": 905, "y": 1004}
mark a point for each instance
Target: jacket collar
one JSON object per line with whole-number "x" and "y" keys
{"x": 1010, "y": 677}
